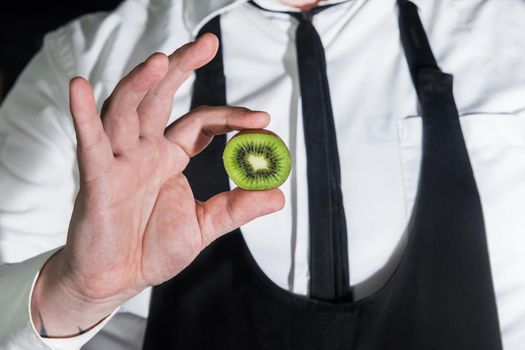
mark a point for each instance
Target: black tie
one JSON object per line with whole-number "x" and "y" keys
{"x": 329, "y": 271}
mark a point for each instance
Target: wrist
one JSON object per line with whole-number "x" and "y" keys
{"x": 58, "y": 310}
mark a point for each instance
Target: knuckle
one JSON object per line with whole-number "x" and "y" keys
{"x": 157, "y": 59}
{"x": 241, "y": 110}
{"x": 231, "y": 215}
{"x": 92, "y": 146}
{"x": 177, "y": 58}
{"x": 201, "y": 109}
{"x": 193, "y": 121}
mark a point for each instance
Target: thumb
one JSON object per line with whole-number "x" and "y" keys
{"x": 229, "y": 210}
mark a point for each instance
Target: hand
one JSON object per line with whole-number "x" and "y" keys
{"x": 135, "y": 221}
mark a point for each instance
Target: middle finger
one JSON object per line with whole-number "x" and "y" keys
{"x": 119, "y": 113}
{"x": 154, "y": 111}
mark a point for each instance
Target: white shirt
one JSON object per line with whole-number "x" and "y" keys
{"x": 378, "y": 132}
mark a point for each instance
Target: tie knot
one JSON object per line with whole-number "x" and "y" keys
{"x": 303, "y": 16}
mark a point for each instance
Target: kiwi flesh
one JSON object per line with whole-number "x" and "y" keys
{"x": 257, "y": 159}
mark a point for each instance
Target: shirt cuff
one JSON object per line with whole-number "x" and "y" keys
{"x": 77, "y": 342}
{"x": 68, "y": 343}
{"x": 17, "y": 331}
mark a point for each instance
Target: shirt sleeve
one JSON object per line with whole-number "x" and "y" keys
{"x": 16, "y": 328}
{"x": 38, "y": 184}
{"x": 17, "y": 331}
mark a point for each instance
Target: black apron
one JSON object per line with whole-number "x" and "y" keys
{"x": 440, "y": 296}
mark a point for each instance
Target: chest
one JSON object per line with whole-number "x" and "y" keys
{"x": 378, "y": 128}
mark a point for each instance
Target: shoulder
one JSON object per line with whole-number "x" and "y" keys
{"x": 104, "y": 46}
{"x": 480, "y": 42}
{"x": 452, "y": 21}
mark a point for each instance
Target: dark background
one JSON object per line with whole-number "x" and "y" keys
{"x": 22, "y": 29}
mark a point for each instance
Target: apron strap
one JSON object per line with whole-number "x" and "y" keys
{"x": 205, "y": 172}
{"x": 210, "y": 84}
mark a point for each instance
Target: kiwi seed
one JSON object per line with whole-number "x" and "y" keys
{"x": 257, "y": 159}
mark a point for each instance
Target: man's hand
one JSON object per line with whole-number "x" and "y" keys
{"x": 135, "y": 222}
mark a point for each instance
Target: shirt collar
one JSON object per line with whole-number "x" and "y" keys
{"x": 199, "y": 12}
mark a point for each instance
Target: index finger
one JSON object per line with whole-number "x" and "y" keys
{"x": 195, "y": 130}
{"x": 155, "y": 108}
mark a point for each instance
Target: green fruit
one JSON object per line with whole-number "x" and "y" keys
{"x": 257, "y": 160}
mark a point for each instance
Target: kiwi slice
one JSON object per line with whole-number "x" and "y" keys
{"x": 257, "y": 160}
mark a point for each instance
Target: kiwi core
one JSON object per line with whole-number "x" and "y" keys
{"x": 257, "y": 160}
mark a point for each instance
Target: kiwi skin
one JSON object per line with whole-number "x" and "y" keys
{"x": 269, "y": 147}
